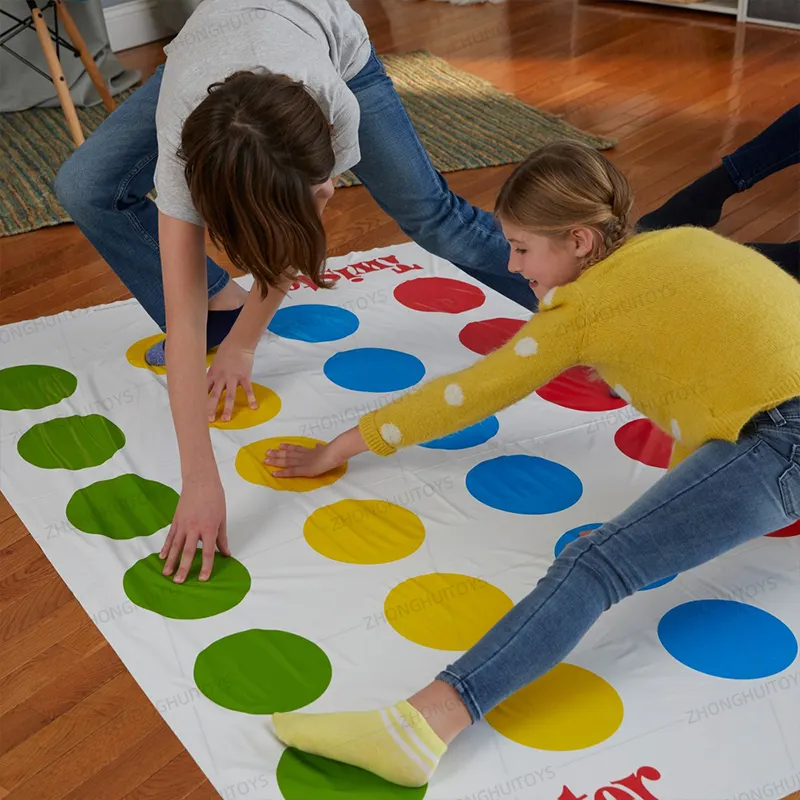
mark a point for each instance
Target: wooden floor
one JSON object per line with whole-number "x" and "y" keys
{"x": 678, "y": 89}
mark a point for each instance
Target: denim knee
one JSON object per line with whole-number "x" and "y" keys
{"x": 589, "y": 556}
{"x": 78, "y": 186}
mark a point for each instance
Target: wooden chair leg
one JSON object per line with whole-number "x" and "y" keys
{"x": 86, "y": 57}
{"x": 57, "y": 74}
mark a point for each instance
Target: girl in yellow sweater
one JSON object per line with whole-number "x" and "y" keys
{"x": 700, "y": 334}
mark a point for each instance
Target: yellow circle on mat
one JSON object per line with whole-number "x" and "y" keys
{"x": 364, "y": 531}
{"x": 269, "y": 404}
{"x": 250, "y": 465}
{"x": 569, "y": 708}
{"x": 445, "y": 611}
{"x": 136, "y": 351}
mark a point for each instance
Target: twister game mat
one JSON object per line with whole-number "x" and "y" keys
{"x": 353, "y": 590}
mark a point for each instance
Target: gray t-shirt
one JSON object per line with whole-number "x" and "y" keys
{"x": 322, "y": 43}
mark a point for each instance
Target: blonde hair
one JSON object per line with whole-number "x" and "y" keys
{"x": 567, "y": 185}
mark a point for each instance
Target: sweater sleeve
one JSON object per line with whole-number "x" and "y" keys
{"x": 547, "y": 345}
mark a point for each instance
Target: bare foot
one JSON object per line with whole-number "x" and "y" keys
{"x": 443, "y": 709}
{"x": 232, "y": 296}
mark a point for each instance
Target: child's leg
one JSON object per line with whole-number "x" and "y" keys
{"x": 104, "y": 187}
{"x": 723, "y": 495}
{"x": 399, "y": 175}
{"x": 700, "y": 203}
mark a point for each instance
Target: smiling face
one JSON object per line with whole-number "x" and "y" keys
{"x": 547, "y": 261}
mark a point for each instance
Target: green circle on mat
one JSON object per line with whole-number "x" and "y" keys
{"x": 71, "y": 442}
{"x": 147, "y": 588}
{"x": 302, "y": 776}
{"x": 34, "y": 386}
{"x": 262, "y": 672}
{"x": 123, "y": 507}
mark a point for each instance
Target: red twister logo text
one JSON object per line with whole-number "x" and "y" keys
{"x": 630, "y": 788}
{"x": 355, "y": 272}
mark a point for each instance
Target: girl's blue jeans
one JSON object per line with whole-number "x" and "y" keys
{"x": 105, "y": 183}
{"x": 723, "y": 495}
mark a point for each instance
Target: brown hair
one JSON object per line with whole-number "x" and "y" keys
{"x": 253, "y": 150}
{"x": 567, "y": 185}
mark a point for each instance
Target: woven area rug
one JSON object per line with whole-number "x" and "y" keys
{"x": 463, "y": 121}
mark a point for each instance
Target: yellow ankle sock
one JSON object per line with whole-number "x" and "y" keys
{"x": 395, "y": 743}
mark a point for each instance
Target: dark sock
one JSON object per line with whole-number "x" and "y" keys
{"x": 786, "y": 256}
{"x": 699, "y": 204}
{"x": 218, "y": 326}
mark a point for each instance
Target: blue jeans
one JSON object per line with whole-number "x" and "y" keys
{"x": 105, "y": 183}
{"x": 723, "y": 495}
{"x": 774, "y": 149}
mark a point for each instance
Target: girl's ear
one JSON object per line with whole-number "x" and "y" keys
{"x": 583, "y": 241}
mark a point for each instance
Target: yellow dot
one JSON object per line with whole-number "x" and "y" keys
{"x": 364, "y": 531}
{"x": 250, "y": 465}
{"x": 445, "y": 611}
{"x": 569, "y": 708}
{"x": 136, "y": 351}
{"x": 269, "y": 404}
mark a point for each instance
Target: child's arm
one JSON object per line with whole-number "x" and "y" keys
{"x": 200, "y": 516}
{"x": 233, "y": 362}
{"x": 543, "y": 348}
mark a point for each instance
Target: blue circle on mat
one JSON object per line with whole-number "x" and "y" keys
{"x": 314, "y": 323}
{"x": 524, "y": 485}
{"x": 374, "y": 369}
{"x": 727, "y": 639}
{"x": 662, "y": 582}
{"x": 572, "y": 535}
{"x": 476, "y": 434}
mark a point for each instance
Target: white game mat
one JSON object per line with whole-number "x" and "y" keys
{"x": 352, "y": 592}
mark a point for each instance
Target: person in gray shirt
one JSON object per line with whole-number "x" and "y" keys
{"x": 260, "y": 104}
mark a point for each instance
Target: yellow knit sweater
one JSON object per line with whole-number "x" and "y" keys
{"x": 697, "y": 332}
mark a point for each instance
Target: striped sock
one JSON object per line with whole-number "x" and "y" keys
{"x": 395, "y": 743}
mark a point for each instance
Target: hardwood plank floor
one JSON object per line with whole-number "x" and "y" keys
{"x": 678, "y": 90}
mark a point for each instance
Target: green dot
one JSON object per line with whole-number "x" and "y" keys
{"x": 302, "y": 776}
{"x": 123, "y": 507}
{"x": 262, "y": 672}
{"x": 34, "y": 386}
{"x": 71, "y": 442}
{"x": 148, "y": 588}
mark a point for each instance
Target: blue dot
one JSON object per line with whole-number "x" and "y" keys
{"x": 314, "y": 323}
{"x": 662, "y": 582}
{"x": 727, "y": 639}
{"x": 374, "y": 369}
{"x": 524, "y": 485}
{"x": 572, "y": 535}
{"x": 476, "y": 434}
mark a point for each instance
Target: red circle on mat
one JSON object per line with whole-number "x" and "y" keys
{"x": 446, "y": 295}
{"x": 783, "y": 533}
{"x": 645, "y": 442}
{"x": 489, "y": 334}
{"x": 574, "y": 389}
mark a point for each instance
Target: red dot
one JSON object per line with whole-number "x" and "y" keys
{"x": 791, "y": 530}
{"x": 574, "y": 389}
{"x": 439, "y": 294}
{"x": 643, "y": 441}
{"x": 489, "y": 334}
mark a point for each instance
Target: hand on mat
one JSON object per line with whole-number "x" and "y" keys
{"x": 296, "y": 461}
{"x": 199, "y": 519}
{"x": 231, "y": 368}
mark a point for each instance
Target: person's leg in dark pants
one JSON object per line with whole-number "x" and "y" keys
{"x": 700, "y": 203}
